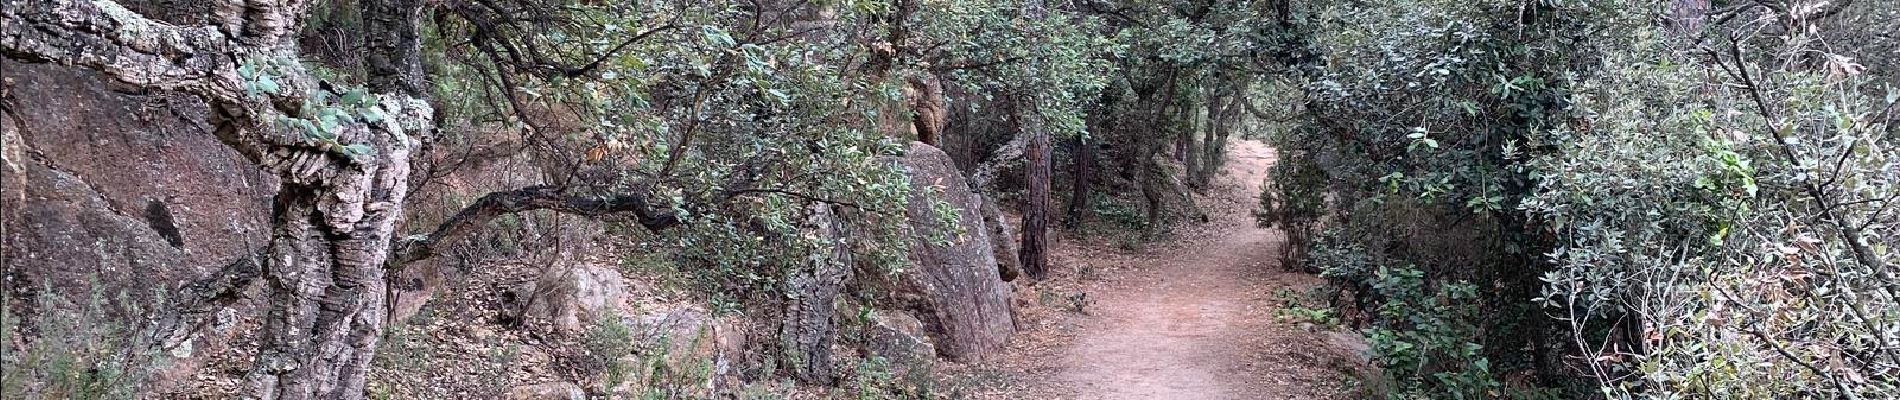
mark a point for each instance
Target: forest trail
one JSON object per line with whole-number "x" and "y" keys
{"x": 1191, "y": 318}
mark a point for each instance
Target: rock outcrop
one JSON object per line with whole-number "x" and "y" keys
{"x": 689, "y": 344}
{"x": 108, "y": 191}
{"x": 572, "y": 298}
{"x": 115, "y": 191}
{"x": 899, "y": 340}
{"x": 1002, "y": 242}
{"x": 131, "y": 189}
{"x": 954, "y": 287}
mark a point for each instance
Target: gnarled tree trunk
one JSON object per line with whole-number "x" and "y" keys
{"x": 809, "y": 327}
{"x": 342, "y": 196}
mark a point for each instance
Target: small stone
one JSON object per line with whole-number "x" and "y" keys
{"x": 548, "y": 391}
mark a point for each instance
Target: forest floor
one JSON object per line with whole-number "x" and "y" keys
{"x": 1194, "y": 316}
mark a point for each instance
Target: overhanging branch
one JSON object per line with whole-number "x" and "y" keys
{"x": 545, "y": 197}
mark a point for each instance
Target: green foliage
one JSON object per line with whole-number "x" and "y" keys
{"x": 737, "y": 118}
{"x": 1119, "y": 213}
{"x": 1294, "y": 308}
{"x": 1293, "y": 199}
{"x": 945, "y": 215}
{"x": 875, "y": 378}
{"x": 325, "y": 118}
{"x": 1054, "y": 61}
{"x": 1708, "y": 225}
{"x": 647, "y": 366}
{"x": 1697, "y": 210}
{"x": 1422, "y": 339}
{"x": 260, "y": 76}
{"x": 607, "y": 343}
{"x": 1405, "y": 152}
{"x": 734, "y": 126}
{"x": 66, "y": 350}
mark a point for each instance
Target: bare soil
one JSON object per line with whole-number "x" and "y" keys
{"x": 1192, "y": 317}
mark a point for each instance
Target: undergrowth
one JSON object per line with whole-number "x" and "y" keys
{"x": 68, "y": 350}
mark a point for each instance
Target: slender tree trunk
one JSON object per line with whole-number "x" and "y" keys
{"x": 1036, "y": 171}
{"x": 1148, "y": 174}
{"x": 1220, "y": 123}
{"x": 1148, "y": 177}
{"x": 1183, "y": 136}
{"x": 1081, "y": 175}
{"x": 1210, "y": 153}
{"x": 1191, "y": 159}
{"x": 1084, "y": 168}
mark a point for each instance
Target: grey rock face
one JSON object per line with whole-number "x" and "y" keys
{"x": 571, "y": 298}
{"x": 109, "y": 191}
{"x": 1003, "y": 241}
{"x": 899, "y": 339}
{"x": 132, "y": 189}
{"x": 955, "y": 289}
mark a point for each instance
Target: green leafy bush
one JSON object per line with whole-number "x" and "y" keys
{"x": 1715, "y": 234}
{"x": 1423, "y": 338}
{"x": 68, "y": 350}
{"x": 1655, "y": 200}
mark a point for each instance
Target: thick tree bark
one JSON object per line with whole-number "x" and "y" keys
{"x": 1081, "y": 175}
{"x": 334, "y": 217}
{"x": 394, "y": 62}
{"x": 326, "y": 304}
{"x": 809, "y": 327}
{"x": 1036, "y": 171}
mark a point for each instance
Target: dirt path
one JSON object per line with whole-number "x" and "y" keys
{"x": 1189, "y": 319}
{"x": 1183, "y": 337}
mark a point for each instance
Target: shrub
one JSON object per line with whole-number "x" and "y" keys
{"x": 1715, "y": 234}
{"x": 1422, "y": 339}
{"x": 1694, "y": 202}
{"x": 66, "y": 350}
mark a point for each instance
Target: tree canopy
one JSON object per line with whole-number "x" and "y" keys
{"x": 1513, "y": 198}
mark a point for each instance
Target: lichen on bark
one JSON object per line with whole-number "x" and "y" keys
{"x": 335, "y": 215}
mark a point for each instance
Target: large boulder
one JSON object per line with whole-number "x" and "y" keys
{"x": 572, "y": 298}
{"x": 1003, "y": 242}
{"x": 954, "y": 287}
